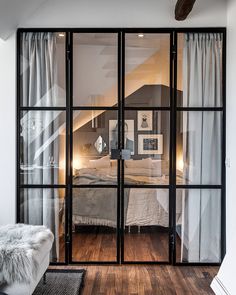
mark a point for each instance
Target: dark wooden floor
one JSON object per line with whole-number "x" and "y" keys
{"x": 147, "y": 280}
{"x": 136, "y": 279}
{"x": 146, "y": 246}
{"x": 94, "y": 247}
{"x": 101, "y": 246}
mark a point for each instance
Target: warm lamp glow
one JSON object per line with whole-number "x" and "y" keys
{"x": 180, "y": 164}
{"x": 77, "y": 164}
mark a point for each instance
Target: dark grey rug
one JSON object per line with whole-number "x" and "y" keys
{"x": 61, "y": 282}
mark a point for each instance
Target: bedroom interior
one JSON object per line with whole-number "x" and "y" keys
{"x": 121, "y": 166}
{"x": 118, "y": 147}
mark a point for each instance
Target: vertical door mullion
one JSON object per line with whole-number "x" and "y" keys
{"x": 171, "y": 194}
{"x": 122, "y": 114}
{"x": 69, "y": 122}
{"x": 174, "y": 50}
{"x": 172, "y": 148}
{"x": 67, "y": 150}
{"x": 71, "y": 142}
{"x": 119, "y": 190}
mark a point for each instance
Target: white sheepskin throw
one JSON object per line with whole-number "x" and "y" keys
{"x": 18, "y": 244}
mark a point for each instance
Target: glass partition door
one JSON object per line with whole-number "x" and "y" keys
{"x": 199, "y": 149}
{"x": 42, "y": 116}
{"x": 95, "y": 177}
{"x": 146, "y": 133}
{"x": 121, "y": 143}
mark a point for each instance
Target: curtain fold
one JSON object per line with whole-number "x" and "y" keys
{"x": 40, "y": 69}
{"x": 202, "y": 147}
{"x": 40, "y": 132}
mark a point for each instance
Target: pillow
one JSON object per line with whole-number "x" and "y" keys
{"x": 162, "y": 165}
{"x": 165, "y": 167}
{"x": 103, "y": 162}
{"x": 144, "y": 163}
{"x": 157, "y": 166}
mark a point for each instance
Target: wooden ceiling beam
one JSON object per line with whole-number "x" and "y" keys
{"x": 183, "y": 8}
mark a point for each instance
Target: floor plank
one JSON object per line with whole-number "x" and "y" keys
{"x": 101, "y": 246}
{"x": 147, "y": 280}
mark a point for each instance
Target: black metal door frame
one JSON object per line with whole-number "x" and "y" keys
{"x": 73, "y": 108}
{"x": 170, "y": 110}
{"x": 173, "y": 109}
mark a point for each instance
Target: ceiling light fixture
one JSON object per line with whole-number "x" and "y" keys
{"x": 61, "y": 35}
{"x": 140, "y": 35}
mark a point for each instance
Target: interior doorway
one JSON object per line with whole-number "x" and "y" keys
{"x": 114, "y": 149}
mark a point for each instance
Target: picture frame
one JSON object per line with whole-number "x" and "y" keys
{"x": 129, "y": 135}
{"x": 145, "y": 120}
{"x": 149, "y": 144}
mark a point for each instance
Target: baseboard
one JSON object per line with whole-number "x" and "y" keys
{"x": 218, "y": 287}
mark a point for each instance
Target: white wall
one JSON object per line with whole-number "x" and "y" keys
{"x": 226, "y": 275}
{"x": 13, "y": 12}
{"x": 80, "y": 13}
{"x": 125, "y": 13}
{"x": 7, "y": 131}
{"x": 231, "y": 119}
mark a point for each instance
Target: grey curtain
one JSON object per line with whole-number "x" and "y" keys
{"x": 38, "y": 53}
{"x": 40, "y": 132}
{"x": 202, "y": 147}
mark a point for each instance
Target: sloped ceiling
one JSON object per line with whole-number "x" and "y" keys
{"x": 14, "y": 12}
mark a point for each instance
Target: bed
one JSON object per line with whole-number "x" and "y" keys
{"x": 142, "y": 206}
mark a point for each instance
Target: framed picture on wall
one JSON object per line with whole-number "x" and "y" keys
{"x": 150, "y": 144}
{"x": 128, "y": 135}
{"x": 145, "y": 121}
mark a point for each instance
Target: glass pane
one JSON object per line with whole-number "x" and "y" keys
{"x": 94, "y": 134}
{"x": 42, "y": 147}
{"x": 94, "y": 224}
{"x": 147, "y": 70}
{"x": 147, "y": 136}
{"x": 146, "y": 224}
{"x": 199, "y": 76}
{"x": 46, "y": 207}
{"x": 198, "y": 225}
{"x": 95, "y": 69}
{"x": 42, "y": 69}
{"x": 199, "y": 147}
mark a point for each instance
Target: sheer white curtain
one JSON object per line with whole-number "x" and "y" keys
{"x": 202, "y": 147}
{"x": 40, "y": 144}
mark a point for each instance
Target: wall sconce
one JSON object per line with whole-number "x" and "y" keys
{"x": 100, "y": 144}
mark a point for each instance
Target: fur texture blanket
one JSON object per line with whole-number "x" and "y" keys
{"x": 18, "y": 244}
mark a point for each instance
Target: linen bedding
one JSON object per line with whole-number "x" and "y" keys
{"x": 96, "y": 206}
{"x": 142, "y": 207}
